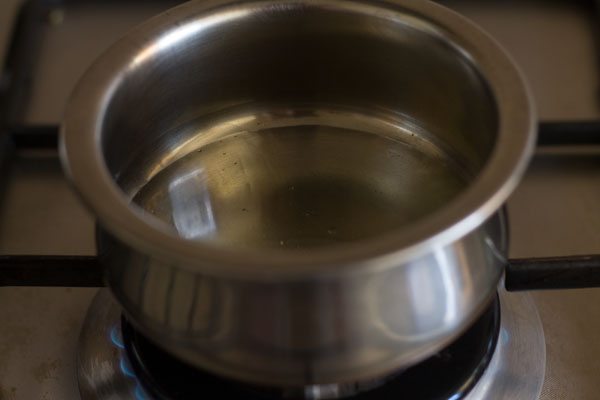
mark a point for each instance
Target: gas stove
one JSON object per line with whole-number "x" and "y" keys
{"x": 70, "y": 341}
{"x": 501, "y": 356}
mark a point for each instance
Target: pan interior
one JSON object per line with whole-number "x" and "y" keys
{"x": 327, "y": 122}
{"x": 299, "y": 178}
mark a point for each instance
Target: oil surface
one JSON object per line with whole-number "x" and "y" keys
{"x": 300, "y": 187}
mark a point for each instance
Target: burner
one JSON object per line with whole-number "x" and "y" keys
{"x": 497, "y": 358}
{"x": 455, "y": 370}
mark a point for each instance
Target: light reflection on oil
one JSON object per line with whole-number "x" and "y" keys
{"x": 191, "y": 207}
{"x": 200, "y": 137}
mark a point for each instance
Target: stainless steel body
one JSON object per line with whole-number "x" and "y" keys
{"x": 301, "y": 192}
{"x": 353, "y": 327}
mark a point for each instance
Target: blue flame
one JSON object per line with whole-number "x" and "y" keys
{"x": 139, "y": 393}
{"x": 115, "y": 337}
{"x": 126, "y": 368}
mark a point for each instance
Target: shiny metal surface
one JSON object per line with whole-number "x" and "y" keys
{"x": 345, "y": 197}
{"x": 353, "y": 327}
{"x": 517, "y": 368}
{"x": 103, "y": 369}
{"x": 451, "y": 95}
{"x": 516, "y": 371}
